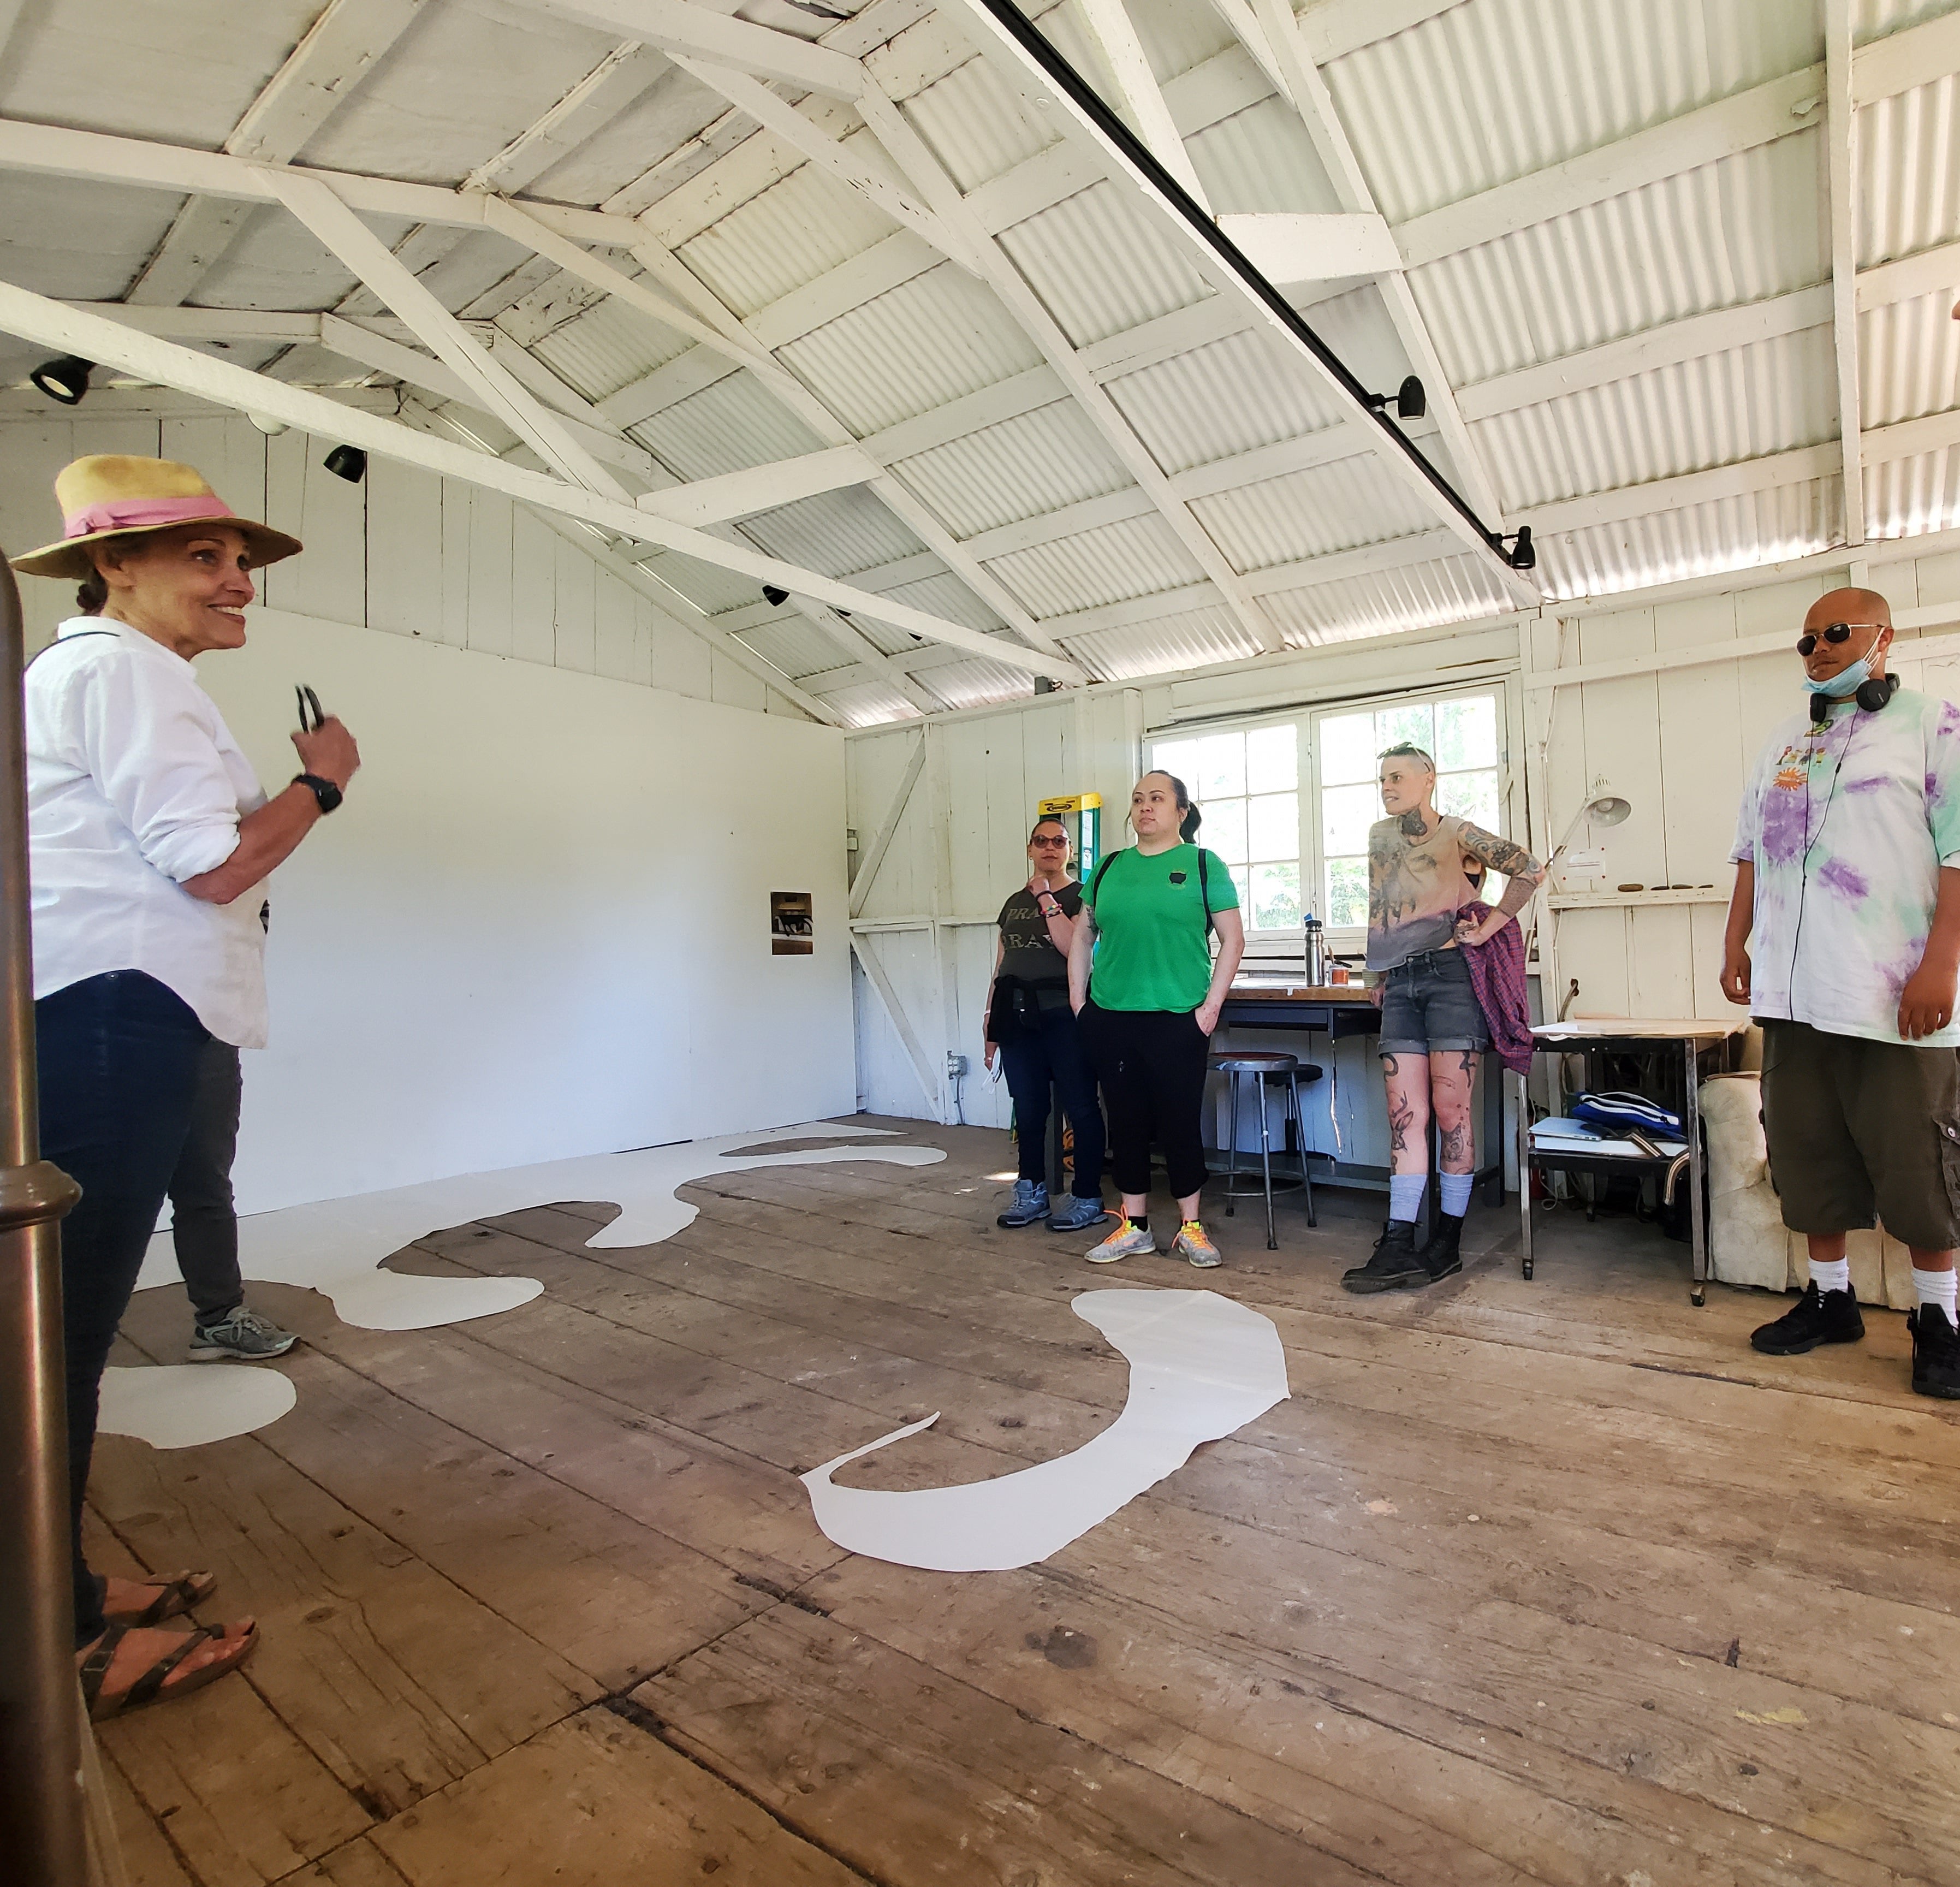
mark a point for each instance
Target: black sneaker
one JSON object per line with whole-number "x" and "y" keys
{"x": 1440, "y": 1257}
{"x": 1394, "y": 1264}
{"x": 1818, "y": 1316}
{"x": 1936, "y": 1353}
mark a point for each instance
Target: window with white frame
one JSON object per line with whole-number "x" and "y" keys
{"x": 1247, "y": 782}
{"x": 1459, "y": 731}
{"x": 1287, "y": 804}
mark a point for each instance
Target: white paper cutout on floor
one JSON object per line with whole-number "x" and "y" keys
{"x": 1200, "y": 1367}
{"x": 337, "y": 1247}
{"x": 186, "y": 1404}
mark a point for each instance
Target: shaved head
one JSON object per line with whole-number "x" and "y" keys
{"x": 1849, "y": 606}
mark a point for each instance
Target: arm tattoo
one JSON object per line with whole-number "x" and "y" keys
{"x": 1500, "y": 854}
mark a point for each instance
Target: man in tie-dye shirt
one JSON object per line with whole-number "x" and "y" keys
{"x": 1848, "y": 872}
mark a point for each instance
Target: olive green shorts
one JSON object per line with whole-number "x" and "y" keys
{"x": 1861, "y": 1131}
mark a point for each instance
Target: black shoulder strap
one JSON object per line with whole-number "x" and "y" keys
{"x": 1204, "y": 889}
{"x": 61, "y": 642}
{"x": 1089, "y": 897}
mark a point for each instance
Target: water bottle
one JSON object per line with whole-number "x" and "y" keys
{"x": 1316, "y": 953}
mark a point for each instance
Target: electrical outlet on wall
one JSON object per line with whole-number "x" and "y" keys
{"x": 956, "y": 1065}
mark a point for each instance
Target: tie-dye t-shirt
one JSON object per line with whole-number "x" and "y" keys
{"x": 1847, "y": 831}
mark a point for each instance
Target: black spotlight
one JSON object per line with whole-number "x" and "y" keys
{"x": 65, "y": 380}
{"x": 1411, "y": 402}
{"x": 1522, "y": 556}
{"x": 774, "y": 597}
{"x": 347, "y": 462}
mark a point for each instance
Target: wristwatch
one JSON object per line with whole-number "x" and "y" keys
{"x": 329, "y": 795}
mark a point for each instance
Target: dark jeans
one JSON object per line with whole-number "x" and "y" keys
{"x": 1031, "y": 1061}
{"x": 118, "y": 1057}
{"x": 1152, "y": 1064}
{"x": 204, "y": 1221}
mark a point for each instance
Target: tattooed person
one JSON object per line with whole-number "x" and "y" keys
{"x": 1433, "y": 1025}
{"x": 1847, "y": 891}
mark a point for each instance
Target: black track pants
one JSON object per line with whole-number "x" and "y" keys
{"x": 1151, "y": 1064}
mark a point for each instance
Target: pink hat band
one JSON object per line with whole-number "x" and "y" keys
{"x": 140, "y": 514}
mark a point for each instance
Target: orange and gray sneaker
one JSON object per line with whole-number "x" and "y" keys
{"x": 1193, "y": 1243}
{"x": 1125, "y": 1241}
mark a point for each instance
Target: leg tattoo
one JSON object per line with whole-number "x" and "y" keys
{"x": 1459, "y": 1153}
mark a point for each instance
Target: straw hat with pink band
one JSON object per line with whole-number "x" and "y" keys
{"x": 111, "y": 495}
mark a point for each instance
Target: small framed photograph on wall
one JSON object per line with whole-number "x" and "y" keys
{"x": 791, "y": 932}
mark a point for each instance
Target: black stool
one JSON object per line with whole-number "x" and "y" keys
{"x": 1260, "y": 1066}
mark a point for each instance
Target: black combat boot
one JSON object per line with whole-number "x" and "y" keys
{"x": 1394, "y": 1264}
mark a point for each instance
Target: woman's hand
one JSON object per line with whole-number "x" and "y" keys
{"x": 329, "y": 751}
{"x": 1476, "y": 930}
{"x": 1206, "y": 1014}
{"x": 1040, "y": 886}
{"x": 987, "y": 1054}
{"x": 1375, "y": 994}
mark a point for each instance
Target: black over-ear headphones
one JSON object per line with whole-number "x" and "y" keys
{"x": 1871, "y": 695}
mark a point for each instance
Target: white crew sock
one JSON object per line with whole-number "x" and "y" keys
{"x": 1936, "y": 1287}
{"x": 1454, "y": 1187}
{"x": 1836, "y": 1276}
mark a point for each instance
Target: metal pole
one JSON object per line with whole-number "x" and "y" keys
{"x": 42, "y": 1823}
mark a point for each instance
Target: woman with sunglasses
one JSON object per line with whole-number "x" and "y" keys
{"x": 1031, "y": 1027}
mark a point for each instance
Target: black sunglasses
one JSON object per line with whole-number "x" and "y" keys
{"x": 1833, "y": 633}
{"x": 1043, "y": 839}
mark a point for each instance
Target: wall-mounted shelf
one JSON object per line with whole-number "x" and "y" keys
{"x": 1633, "y": 900}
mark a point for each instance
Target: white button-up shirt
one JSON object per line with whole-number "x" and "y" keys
{"x": 134, "y": 785}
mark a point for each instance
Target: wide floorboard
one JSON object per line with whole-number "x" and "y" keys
{"x": 1553, "y": 1581}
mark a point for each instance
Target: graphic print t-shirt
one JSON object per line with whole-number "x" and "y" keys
{"x": 1848, "y": 830}
{"x": 1030, "y": 953}
{"x": 1152, "y": 947}
{"x": 1416, "y": 887}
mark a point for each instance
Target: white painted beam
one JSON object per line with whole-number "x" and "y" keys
{"x": 1289, "y": 250}
{"x": 617, "y": 81}
{"x": 340, "y": 49}
{"x": 1840, "y": 197}
{"x": 51, "y": 324}
{"x": 761, "y": 487}
{"x": 1333, "y": 28}
{"x": 680, "y": 28}
{"x": 94, "y": 156}
{"x": 1902, "y": 61}
{"x": 776, "y": 114}
{"x": 909, "y": 152}
{"x": 1114, "y": 34}
{"x": 316, "y": 206}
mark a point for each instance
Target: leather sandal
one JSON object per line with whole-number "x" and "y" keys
{"x": 180, "y": 1593}
{"x": 155, "y": 1685}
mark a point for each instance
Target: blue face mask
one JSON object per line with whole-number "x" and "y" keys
{"x": 1845, "y": 683}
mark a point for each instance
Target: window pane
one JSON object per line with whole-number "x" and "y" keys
{"x": 1272, "y": 760}
{"x": 1220, "y": 767}
{"x": 1471, "y": 796}
{"x": 1176, "y": 757}
{"x": 1224, "y": 829}
{"x": 1466, "y": 732}
{"x": 1275, "y": 897}
{"x": 1346, "y": 749}
{"x": 1414, "y": 721}
{"x": 1347, "y": 891}
{"x": 1272, "y": 829}
{"x": 1347, "y": 811}
{"x": 1240, "y": 878}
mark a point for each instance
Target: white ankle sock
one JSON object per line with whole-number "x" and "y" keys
{"x": 1934, "y": 1287}
{"x": 1832, "y": 1277}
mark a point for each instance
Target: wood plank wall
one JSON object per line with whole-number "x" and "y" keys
{"x": 403, "y": 552}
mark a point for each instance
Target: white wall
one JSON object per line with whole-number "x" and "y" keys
{"x": 539, "y": 926}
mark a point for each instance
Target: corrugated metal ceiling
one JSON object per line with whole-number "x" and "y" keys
{"x": 1473, "y": 98}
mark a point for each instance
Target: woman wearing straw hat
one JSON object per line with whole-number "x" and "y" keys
{"x": 149, "y": 842}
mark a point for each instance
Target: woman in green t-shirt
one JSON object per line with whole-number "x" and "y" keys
{"x": 1146, "y": 1021}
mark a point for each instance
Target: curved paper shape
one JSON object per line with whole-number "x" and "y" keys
{"x": 1201, "y": 1366}
{"x": 186, "y": 1404}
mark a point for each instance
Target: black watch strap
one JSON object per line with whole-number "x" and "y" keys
{"x": 329, "y": 795}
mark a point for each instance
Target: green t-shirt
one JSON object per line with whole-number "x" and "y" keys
{"x": 1153, "y": 946}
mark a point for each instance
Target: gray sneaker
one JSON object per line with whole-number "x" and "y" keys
{"x": 1078, "y": 1216}
{"x": 1030, "y": 1204}
{"x": 244, "y": 1333}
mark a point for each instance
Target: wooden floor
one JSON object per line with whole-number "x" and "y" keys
{"x": 1553, "y": 1581}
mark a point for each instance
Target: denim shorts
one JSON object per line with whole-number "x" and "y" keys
{"x": 1429, "y": 1005}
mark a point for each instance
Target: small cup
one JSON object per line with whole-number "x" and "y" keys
{"x": 1337, "y": 976}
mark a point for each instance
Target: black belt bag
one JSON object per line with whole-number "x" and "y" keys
{"x": 1020, "y": 1003}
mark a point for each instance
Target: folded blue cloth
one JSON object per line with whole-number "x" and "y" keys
{"x": 1618, "y": 1111}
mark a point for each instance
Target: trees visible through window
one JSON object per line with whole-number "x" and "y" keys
{"x": 1248, "y": 783}
{"x": 1461, "y": 733}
